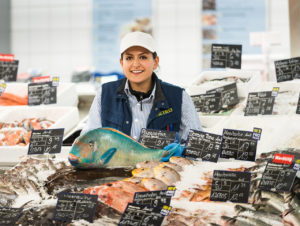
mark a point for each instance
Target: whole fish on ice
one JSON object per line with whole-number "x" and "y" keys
{"x": 104, "y": 147}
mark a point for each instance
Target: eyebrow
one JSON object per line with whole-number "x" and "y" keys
{"x": 138, "y": 54}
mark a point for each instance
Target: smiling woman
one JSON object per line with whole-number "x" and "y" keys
{"x": 141, "y": 100}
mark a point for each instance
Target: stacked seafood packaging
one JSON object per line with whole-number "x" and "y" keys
{"x": 36, "y": 181}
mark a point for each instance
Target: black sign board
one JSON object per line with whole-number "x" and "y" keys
{"x": 260, "y": 103}
{"x": 45, "y": 141}
{"x": 203, "y": 145}
{"x": 223, "y": 56}
{"x": 9, "y": 70}
{"x": 288, "y": 69}
{"x": 278, "y": 177}
{"x": 207, "y": 103}
{"x": 9, "y": 216}
{"x": 230, "y": 186}
{"x": 156, "y": 139}
{"x": 229, "y": 95}
{"x": 298, "y": 106}
{"x": 75, "y": 206}
{"x": 238, "y": 144}
{"x": 154, "y": 198}
{"x": 41, "y": 93}
{"x": 135, "y": 214}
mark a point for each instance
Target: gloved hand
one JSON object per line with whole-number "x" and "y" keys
{"x": 175, "y": 148}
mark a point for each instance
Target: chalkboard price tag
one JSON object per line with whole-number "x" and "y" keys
{"x": 9, "y": 216}
{"x": 45, "y": 141}
{"x": 226, "y": 56}
{"x": 75, "y": 206}
{"x": 238, "y": 144}
{"x": 41, "y": 93}
{"x": 260, "y": 103}
{"x": 288, "y": 69}
{"x": 156, "y": 139}
{"x": 207, "y": 103}
{"x": 135, "y": 214}
{"x": 2, "y": 86}
{"x": 298, "y": 106}
{"x": 206, "y": 146}
{"x": 230, "y": 186}
{"x": 9, "y": 70}
{"x": 153, "y": 198}
{"x": 278, "y": 177}
{"x": 229, "y": 95}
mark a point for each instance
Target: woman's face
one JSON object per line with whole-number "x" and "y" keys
{"x": 138, "y": 64}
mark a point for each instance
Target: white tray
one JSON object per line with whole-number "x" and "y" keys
{"x": 64, "y": 117}
{"x": 66, "y": 93}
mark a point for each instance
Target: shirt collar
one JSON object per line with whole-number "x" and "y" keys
{"x": 128, "y": 93}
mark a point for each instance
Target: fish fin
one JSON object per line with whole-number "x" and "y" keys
{"x": 106, "y": 157}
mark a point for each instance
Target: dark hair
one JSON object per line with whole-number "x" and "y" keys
{"x": 154, "y": 54}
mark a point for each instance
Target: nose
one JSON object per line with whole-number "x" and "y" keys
{"x": 136, "y": 62}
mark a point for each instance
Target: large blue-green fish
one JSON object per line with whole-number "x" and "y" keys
{"x": 108, "y": 147}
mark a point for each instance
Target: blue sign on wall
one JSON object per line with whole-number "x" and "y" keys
{"x": 111, "y": 20}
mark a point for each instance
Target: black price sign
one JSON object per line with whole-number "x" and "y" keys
{"x": 207, "y": 103}
{"x": 238, "y": 144}
{"x": 229, "y": 95}
{"x": 260, "y": 103}
{"x": 278, "y": 177}
{"x": 230, "y": 186}
{"x": 288, "y": 69}
{"x": 223, "y": 56}
{"x": 75, "y": 206}
{"x": 203, "y": 145}
{"x": 154, "y": 198}
{"x": 156, "y": 139}
{"x": 298, "y": 106}
{"x": 45, "y": 141}
{"x": 41, "y": 93}
{"x": 9, "y": 70}
{"x": 142, "y": 215}
{"x": 9, "y": 216}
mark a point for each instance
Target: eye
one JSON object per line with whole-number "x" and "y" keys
{"x": 143, "y": 57}
{"x": 128, "y": 58}
{"x": 91, "y": 144}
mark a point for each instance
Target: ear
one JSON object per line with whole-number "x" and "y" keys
{"x": 121, "y": 62}
{"x": 156, "y": 62}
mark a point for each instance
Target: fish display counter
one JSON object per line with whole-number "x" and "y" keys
{"x": 16, "y": 125}
{"x": 112, "y": 166}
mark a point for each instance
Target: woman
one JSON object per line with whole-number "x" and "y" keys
{"x": 141, "y": 100}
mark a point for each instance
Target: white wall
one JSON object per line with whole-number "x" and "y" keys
{"x": 176, "y": 27}
{"x": 53, "y": 36}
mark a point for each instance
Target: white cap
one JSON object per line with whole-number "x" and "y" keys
{"x": 137, "y": 38}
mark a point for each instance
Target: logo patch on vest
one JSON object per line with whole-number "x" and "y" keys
{"x": 164, "y": 112}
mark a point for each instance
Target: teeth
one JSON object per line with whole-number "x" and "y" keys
{"x": 136, "y": 71}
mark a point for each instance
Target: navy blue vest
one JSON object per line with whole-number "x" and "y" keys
{"x": 165, "y": 112}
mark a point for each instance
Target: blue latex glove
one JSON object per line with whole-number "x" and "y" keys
{"x": 177, "y": 152}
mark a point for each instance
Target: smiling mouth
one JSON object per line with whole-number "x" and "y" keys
{"x": 136, "y": 71}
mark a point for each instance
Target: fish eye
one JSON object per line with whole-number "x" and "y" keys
{"x": 91, "y": 143}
